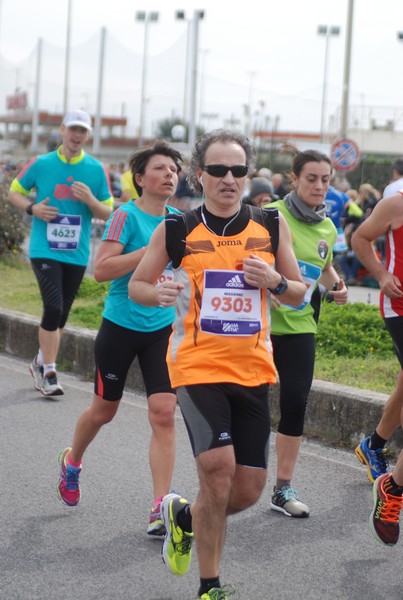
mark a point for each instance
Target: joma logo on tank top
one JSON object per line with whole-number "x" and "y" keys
{"x": 229, "y": 243}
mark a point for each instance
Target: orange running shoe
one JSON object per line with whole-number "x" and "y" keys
{"x": 384, "y": 518}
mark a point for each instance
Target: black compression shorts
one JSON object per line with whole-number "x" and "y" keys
{"x": 222, "y": 414}
{"x": 115, "y": 349}
{"x": 395, "y": 327}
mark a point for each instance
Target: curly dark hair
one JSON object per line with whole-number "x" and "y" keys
{"x": 204, "y": 141}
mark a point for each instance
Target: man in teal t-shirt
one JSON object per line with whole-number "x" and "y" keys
{"x": 71, "y": 188}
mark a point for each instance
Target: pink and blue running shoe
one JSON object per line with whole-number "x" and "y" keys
{"x": 68, "y": 488}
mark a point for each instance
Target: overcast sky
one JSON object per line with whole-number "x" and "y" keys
{"x": 269, "y": 45}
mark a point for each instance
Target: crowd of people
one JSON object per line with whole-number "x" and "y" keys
{"x": 216, "y": 299}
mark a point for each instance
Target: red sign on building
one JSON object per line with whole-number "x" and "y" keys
{"x": 17, "y": 101}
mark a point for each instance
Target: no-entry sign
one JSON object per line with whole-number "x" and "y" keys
{"x": 345, "y": 155}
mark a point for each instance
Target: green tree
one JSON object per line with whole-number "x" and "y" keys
{"x": 165, "y": 127}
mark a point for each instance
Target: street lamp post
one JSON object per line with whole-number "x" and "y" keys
{"x": 35, "y": 111}
{"x": 198, "y": 15}
{"x": 146, "y": 18}
{"x": 67, "y": 61}
{"x": 1, "y": 22}
{"x": 347, "y": 65}
{"x": 203, "y": 54}
{"x": 328, "y": 31}
{"x": 192, "y": 54}
{"x": 248, "y": 107}
{"x": 180, "y": 15}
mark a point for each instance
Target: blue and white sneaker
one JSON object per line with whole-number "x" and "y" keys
{"x": 50, "y": 385}
{"x": 375, "y": 460}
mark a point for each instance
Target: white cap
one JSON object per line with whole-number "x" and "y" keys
{"x": 77, "y": 118}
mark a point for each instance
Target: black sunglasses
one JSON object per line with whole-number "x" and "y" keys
{"x": 221, "y": 170}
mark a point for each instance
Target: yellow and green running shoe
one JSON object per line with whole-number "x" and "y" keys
{"x": 177, "y": 546}
{"x": 222, "y": 593}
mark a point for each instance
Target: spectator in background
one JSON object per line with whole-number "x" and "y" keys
{"x": 352, "y": 215}
{"x": 335, "y": 202}
{"x": 368, "y": 197}
{"x": 128, "y": 191}
{"x": 352, "y": 211}
{"x": 115, "y": 176}
{"x": 8, "y": 167}
{"x": 397, "y": 179}
{"x": 184, "y": 195}
{"x": 280, "y": 189}
{"x": 353, "y": 195}
{"x": 54, "y": 141}
{"x": 350, "y": 266}
{"x": 355, "y": 213}
{"x": 341, "y": 183}
{"x": 265, "y": 172}
{"x": 260, "y": 192}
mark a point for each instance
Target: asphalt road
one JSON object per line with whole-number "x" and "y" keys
{"x": 100, "y": 550}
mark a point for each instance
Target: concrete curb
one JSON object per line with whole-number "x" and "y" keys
{"x": 339, "y": 415}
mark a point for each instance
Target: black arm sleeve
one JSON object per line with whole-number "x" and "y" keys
{"x": 272, "y": 224}
{"x": 175, "y": 238}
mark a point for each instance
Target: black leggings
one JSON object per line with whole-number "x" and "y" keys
{"x": 294, "y": 357}
{"x": 58, "y": 283}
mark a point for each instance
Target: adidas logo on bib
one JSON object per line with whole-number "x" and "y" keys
{"x": 235, "y": 281}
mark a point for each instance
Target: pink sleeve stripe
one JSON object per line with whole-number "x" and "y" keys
{"x": 116, "y": 226}
{"x": 26, "y": 167}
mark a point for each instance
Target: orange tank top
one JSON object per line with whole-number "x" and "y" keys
{"x": 221, "y": 333}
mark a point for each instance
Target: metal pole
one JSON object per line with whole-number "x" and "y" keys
{"x": 1, "y": 2}
{"x": 203, "y": 53}
{"x": 346, "y": 78}
{"x": 35, "y": 108}
{"x": 193, "y": 80}
{"x": 67, "y": 64}
{"x": 143, "y": 83}
{"x": 250, "y": 101}
{"x": 324, "y": 91}
{"x": 186, "y": 84}
{"x": 97, "y": 125}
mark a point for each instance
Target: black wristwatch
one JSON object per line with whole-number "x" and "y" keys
{"x": 281, "y": 288}
{"x": 28, "y": 209}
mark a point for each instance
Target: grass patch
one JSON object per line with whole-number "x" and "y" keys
{"x": 20, "y": 293}
{"x": 367, "y": 373}
{"x": 19, "y": 290}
